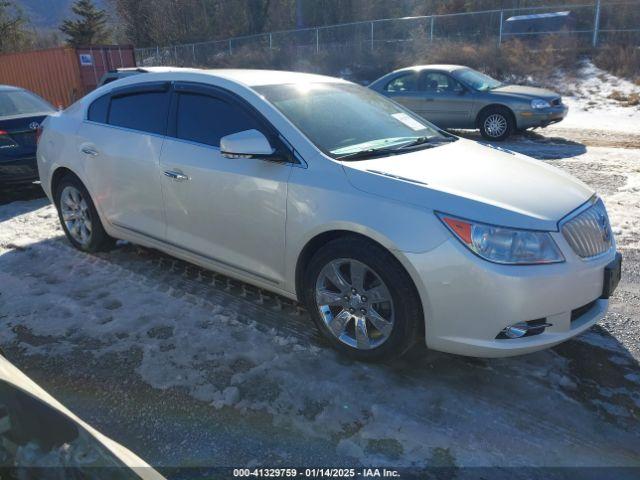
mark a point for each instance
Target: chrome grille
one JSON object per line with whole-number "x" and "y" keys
{"x": 589, "y": 233}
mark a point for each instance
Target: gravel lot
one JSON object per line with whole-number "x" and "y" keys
{"x": 187, "y": 368}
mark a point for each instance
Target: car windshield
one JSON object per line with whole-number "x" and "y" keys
{"x": 21, "y": 102}
{"x": 476, "y": 80}
{"x": 344, "y": 119}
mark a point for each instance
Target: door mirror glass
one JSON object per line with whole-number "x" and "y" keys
{"x": 246, "y": 144}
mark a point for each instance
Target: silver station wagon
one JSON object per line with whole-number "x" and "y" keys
{"x": 453, "y": 96}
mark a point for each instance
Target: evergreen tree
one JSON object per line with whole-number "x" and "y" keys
{"x": 91, "y": 26}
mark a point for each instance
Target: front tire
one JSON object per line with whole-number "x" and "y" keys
{"x": 79, "y": 217}
{"x": 496, "y": 123}
{"x": 362, "y": 300}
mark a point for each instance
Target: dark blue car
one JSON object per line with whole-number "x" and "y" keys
{"x": 21, "y": 113}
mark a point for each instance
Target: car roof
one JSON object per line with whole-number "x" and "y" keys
{"x": 249, "y": 77}
{"x": 142, "y": 69}
{"x": 442, "y": 67}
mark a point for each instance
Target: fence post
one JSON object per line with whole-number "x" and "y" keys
{"x": 317, "y": 40}
{"x": 270, "y": 41}
{"x": 596, "y": 24}
{"x": 371, "y": 36}
{"x": 230, "y": 49}
{"x": 93, "y": 62}
{"x": 158, "y": 54}
{"x": 500, "y": 30}
{"x": 193, "y": 50}
{"x": 431, "y": 34}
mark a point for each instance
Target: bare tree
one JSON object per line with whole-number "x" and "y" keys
{"x": 13, "y": 33}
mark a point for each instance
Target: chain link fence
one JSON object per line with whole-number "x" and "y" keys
{"x": 589, "y": 25}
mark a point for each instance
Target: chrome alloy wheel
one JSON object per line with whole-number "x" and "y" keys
{"x": 354, "y": 303}
{"x": 495, "y": 125}
{"x": 75, "y": 214}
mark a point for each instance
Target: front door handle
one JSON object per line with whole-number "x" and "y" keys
{"x": 89, "y": 151}
{"x": 177, "y": 176}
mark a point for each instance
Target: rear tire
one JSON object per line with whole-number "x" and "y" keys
{"x": 496, "y": 123}
{"x": 79, "y": 217}
{"x": 362, "y": 300}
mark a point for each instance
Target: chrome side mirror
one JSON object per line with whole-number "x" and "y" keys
{"x": 246, "y": 144}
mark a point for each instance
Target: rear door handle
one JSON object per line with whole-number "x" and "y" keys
{"x": 177, "y": 176}
{"x": 89, "y": 151}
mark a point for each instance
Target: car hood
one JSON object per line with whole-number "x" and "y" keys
{"x": 528, "y": 92}
{"x": 474, "y": 181}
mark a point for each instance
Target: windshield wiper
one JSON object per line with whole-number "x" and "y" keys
{"x": 430, "y": 142}
{"x": 416, "y": 142}
{"x": 373, "y": 152}
{"x": 367, "y": 153}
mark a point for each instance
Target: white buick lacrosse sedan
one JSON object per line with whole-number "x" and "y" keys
{"x": 388, "y": 229}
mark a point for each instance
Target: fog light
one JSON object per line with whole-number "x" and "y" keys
{"x": 516, "y": 331}
{"x": 524, "y": 329}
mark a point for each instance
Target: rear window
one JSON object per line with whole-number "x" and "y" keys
{"x": 144, "y": 111}
{"x": 21, "y": 102}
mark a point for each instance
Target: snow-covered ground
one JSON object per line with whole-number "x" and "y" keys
{"x": 187, "y": 367}
{"x": 591, "y": 106}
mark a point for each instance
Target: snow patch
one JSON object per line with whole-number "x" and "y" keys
{"x": 590, "y": 106}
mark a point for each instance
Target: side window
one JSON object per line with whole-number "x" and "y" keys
{"x": 403, "y": 83}
{"x": 144, "y": 111}
{"x": 98, "y": 110}
{"x": 206, "y": 119}
{"x": 436, "y": 82}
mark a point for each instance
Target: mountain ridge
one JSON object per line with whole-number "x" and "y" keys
{"x": 49, "y": 14}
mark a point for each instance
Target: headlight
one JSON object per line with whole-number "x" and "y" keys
{"x": 504, "y": 245}
{"x": 539, "y": 103}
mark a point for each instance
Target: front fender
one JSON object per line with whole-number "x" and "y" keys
{"x": 332, "y": 204}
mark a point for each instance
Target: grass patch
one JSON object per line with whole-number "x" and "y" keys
{"x": 625, "y": 99}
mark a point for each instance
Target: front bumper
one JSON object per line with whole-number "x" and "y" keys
{"x": 542, "y": 117}
{"x": 468, "y": 301}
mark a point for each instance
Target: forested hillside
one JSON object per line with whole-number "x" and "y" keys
{"x": 48, "y": 14}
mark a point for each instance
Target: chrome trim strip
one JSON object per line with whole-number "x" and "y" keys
{"x": 193, "y": 252}
{"x": 577, "y": 211}
{"x": 397, "y": 177}
{"x": 131, "y": 130}
{"x": 582, "y": 243}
